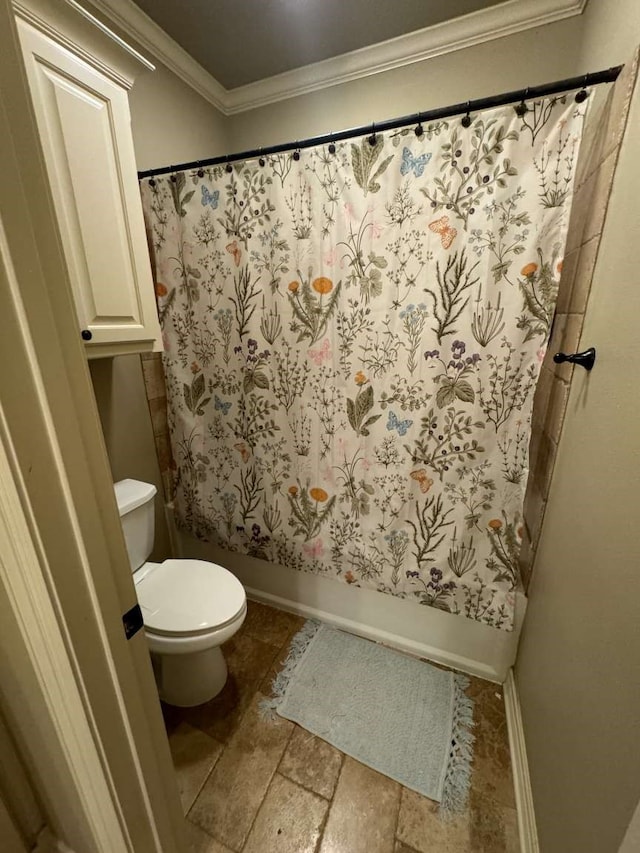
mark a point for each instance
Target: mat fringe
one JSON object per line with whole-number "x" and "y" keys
{"x": 299, "y": 645}
{"x": 455, "y": 791}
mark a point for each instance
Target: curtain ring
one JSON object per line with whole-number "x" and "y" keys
{"x": 229, "y": 167}
{"x": 261, "y": 159}
{"x": 419, "y": 131}
{"x": 372, "y": 138}
{"x": 466, "y": 119}
{"x": 173, "y": 177}
{"x": 152, "y": 183}
{"x": 582, "y": 95}
{"x": 332, "y": 145}
{"x": 200, "y": 172}
{"x": 296, "y": 153}
{"x": 521, "y": 108}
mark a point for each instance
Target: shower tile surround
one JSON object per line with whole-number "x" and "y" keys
{"x": 250, "y": 785}
{"x": 603, "y": 134}
{"x": 596, "y": 166}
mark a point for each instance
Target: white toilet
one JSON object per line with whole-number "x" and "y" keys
{"x": 190, "y": 607}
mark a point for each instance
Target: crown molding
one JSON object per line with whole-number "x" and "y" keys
{"x": 135, "y": 23}
{"x": 484, "y": 25}
{"x": 75, "y": 28}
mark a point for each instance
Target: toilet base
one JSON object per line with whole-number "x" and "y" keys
{"x": 191, "y": 679}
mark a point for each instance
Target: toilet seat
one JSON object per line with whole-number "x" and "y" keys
{"x": 188, "y": 598}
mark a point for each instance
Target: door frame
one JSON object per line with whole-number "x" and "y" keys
{"x": 80, "y": 699}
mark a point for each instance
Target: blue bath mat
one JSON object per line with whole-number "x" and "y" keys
{"x": 396, "y": 714}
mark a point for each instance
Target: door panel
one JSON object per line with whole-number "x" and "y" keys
{"x": 84, "y": 124}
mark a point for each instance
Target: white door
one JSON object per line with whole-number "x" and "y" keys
{"x": 77, "y": 694}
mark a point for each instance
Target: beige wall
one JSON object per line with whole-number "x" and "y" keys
{"x": 577, "y": 669}
{"x": 171, "y": 123}
{"x": 599, "y": 150}
{"x": 536, "y": 56}
{"x": 610, "y": 33}
{"x": 128, "y": 433}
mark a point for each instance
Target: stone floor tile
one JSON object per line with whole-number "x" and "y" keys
{"x": 248, "y": 661}
{"x": 403, "y": 848}
{"x": 366, "y": 806}
{"x": 420, "y": 826}
{"x": 493, "y": 828}
{"x": 231, "y": 797}
{"x": 289, "y": 820}
{"x": 194, "y": 754}
{"x": 312, "y": 762}
{"x": 266, "y": 685}
{"x": 491, "y": 773}
{"x": 270, "y": 625}
{"x": 199, "y": 841}
{"x": 364, "y": 812}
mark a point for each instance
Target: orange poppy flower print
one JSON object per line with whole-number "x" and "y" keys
{"x": 322, "y": 285}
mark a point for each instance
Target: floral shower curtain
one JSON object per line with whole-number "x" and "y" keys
{"x": 353, "y": 336}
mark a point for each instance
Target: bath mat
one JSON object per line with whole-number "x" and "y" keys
{"x": 396, "y": 714}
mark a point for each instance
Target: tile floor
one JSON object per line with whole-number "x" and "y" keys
{"x": 251, "y": 786}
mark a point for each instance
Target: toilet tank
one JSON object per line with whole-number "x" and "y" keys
{"x": 136, "y": 507}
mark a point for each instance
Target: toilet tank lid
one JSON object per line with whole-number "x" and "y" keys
{"x": 131, "y": 494}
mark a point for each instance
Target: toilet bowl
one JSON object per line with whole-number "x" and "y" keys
{"x": 189, "y": 607}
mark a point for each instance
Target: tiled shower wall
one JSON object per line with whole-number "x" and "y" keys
{"x": 156, "y": 389}
{"x": 596, "y": 166}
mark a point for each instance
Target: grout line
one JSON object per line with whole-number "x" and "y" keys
{"x": 266, "y": 793}
{"x": 397, "y": 820}
{"x": 323, "y": 826}
{"x": 206, "y": 778}
{"x": 296, "y": 781}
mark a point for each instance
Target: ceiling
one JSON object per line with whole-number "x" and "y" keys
{"x": 242, "y": 41}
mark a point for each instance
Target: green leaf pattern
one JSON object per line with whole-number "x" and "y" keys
{"x": 352, "y": 343}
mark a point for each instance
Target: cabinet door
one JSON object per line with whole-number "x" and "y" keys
{"x": 84, "y": 124}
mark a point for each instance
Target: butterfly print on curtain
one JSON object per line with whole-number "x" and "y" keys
{"x": 352, "y": 345}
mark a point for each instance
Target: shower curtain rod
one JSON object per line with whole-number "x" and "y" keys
{"x": 608, "y": 75}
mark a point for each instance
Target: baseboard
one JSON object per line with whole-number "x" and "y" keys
{"x": 520, "y": 767}
{"x": 451, "y": 640}
{"x": 378, "y": 635}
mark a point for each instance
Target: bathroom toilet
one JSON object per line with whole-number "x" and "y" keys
{"x": 189, "y": 607}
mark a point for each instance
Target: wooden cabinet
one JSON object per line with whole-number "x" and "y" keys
{"x": 83, "y": 117}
